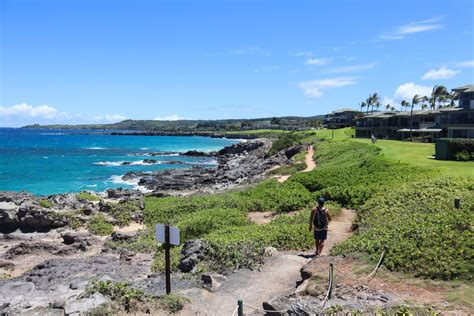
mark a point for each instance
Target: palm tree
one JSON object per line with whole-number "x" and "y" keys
{"x": 436, "y": 93}
{"x": 442, "y": 100}
{"x": 378, "y": 105}
{"x": 368, "y": 103}
{"x": 375, "y": 100}
{"x": 387, "y": 107}
{"x": 404, "y": 104}
{"x": 393, "y": 108}
{"x": 453, "y": 96}
{"x": 362, "y": 105}
{"x": 416, "y": 99}
{"x": 424, "y": 100}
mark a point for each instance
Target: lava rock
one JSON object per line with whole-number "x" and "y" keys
{"x": 212, "y": 281}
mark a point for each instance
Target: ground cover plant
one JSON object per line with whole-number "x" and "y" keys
{"x": 351, "y": 172}
{"x": 423, "y": 231}
{"x": 266, "y": 196}
{"x": 99, "y": 225}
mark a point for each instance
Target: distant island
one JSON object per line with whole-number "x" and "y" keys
{"x": 192, "y": 126}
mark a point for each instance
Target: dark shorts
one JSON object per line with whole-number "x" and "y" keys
{"x": 320, "y": 234}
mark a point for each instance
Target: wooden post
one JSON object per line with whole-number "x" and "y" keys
{"x": 240, "y": 311}
{"x": 331, "y": 274}
{"x": 167, "y": 259}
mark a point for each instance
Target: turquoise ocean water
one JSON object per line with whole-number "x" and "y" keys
{"x": 46, "y": 162}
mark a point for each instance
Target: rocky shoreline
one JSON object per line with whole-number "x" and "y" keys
{"x": 46, "y": 263}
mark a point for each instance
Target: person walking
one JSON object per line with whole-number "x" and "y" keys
{"x": 319, "y": 219}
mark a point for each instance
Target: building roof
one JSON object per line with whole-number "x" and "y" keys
{"x": 346, "y": 110}
{"x": 467, "y": 88}
{"x": 421, "y": 130}
{"x": 389, "y": 114}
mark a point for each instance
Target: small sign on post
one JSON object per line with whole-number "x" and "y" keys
{"x": 168, "y": 236}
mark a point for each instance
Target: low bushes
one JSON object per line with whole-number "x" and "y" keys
{"x": 99, "y": 225}
{"x": 85, "y": 196}
{"x": 423, "y": 231}
{"x": 194, "y": 225}
{"x": 284, "y": 141}
{"x": 267, "y": 196}
{"x": 351, "y": 172}
{"x": 237, "y": 247}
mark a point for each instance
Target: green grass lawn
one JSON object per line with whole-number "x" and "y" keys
{"x": 420, "y": 154}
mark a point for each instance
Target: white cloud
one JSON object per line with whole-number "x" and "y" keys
{"x": 412, "y": 28}
{"x": 314, "y": 88}
{"x": 173, "y": 117}
{"x": 318, "y": 61}
{"x": 407, "y": 90}
{"x": 387, "y": 100}
{"x": 464, "y": 64}
{"x": 352, "y": 68}
{"x": 110, "y": 118}
{"x": 26, "y": 110}
{"x": 441, "y": 73}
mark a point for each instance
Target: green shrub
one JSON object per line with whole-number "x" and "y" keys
{"x": 173, "y": 303}
{"x": 98, "y": 225}
{"x": 194, "y": 225}
{"x": 351, "y": 172}
{"x": 119, "y": 292}
{"x": 266, "y": 196}
{"x": 284, "y": 141}
{"x": 464, "y": 155}
{"x": 244, "y": 246}
{"x": 46, "y": 203}
{"x": 123, "y": 211}
{"x": 85, "y": 196}
{"x": 423, "y": 231}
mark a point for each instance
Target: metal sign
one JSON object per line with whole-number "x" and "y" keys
{"x": 173, "y": 234}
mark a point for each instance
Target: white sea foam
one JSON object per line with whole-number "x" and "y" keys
{"x": 145, "y": 148}
{"x": 127, "y": 163}
{"x": 95, "y": 148}
{"x": 133, "y": 183}
{"x": 91, "y": 185}
{"x": 109, "y": 163}
{"x": 45, "y": 157}
{"x": 52, "y": 134}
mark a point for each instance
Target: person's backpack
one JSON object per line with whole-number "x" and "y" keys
{"x": 320, "y": 219}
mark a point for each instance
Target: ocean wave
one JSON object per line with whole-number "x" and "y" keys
{"x": 153, "y": 155}
{"x": 95, "y": 148}
{"x": 128, "y": 163}
{"x": 52, "y": 134}
{"x": 117, "y": 179}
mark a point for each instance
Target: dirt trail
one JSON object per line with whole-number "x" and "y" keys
{"x": 277, "y": 277}
{"x": 310, "y": 164}
{"x": 340, "y": 229}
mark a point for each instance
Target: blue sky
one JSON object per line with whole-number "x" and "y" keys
{"x": 75, "y": 61}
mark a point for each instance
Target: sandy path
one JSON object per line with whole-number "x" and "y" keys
{"x": 310, "y": 164}
{"x": 340, "y": 229}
